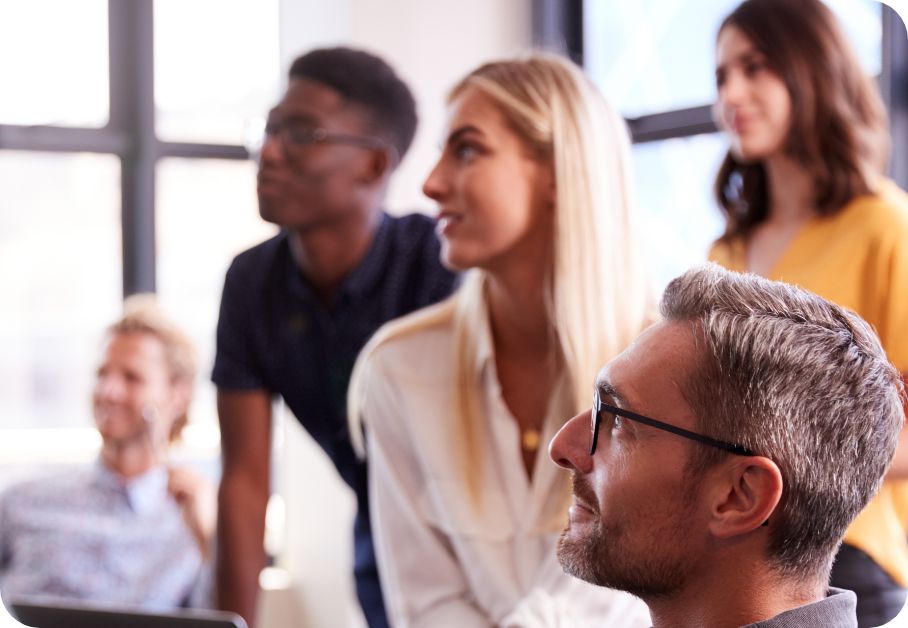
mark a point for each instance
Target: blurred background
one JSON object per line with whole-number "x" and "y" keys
{"x": 123, "y": 169}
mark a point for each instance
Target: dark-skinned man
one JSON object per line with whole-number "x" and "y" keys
{"x": 297, "y": 308}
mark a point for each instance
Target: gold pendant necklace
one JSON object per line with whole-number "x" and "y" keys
{"x": 529, "y": 439}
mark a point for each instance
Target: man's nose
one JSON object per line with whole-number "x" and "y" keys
{"x": 570, "y": 448}
{"x": 108, "y": 386}
{"x": 272, "y": 149}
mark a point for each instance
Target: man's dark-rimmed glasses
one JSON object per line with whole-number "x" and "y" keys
{"x": 295, "y": 137}
{"x": 600, "y": 408}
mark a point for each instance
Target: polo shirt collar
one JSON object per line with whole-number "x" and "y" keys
{"x": 370, "y": 269}
{"x": 362, "y": 278}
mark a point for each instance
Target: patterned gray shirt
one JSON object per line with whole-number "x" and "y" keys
{"x": 89, "y": 536}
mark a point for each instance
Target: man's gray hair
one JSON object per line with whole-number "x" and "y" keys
{"x": 801, "y": 381}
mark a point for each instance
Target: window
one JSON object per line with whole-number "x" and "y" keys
{"x": 60, "y": 251}
{"x": 207, "y": 213}
{"x": 658, "y": 55}
{"x": 673, "y": 183}
{"x": 654, "y": 60}
{"x": 54, "y": 68}
{"x": 110, "y": 174}
{"x": 207, "y": 92}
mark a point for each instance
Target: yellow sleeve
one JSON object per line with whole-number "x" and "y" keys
{"x": 890, "y": 284}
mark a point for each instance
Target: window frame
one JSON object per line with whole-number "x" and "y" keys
{"x": 558, "y": 25}
{"x": 129, "y": 135}
{"x": 130, "y": 131}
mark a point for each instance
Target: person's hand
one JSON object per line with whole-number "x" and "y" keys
{"x": 197, "y": 499}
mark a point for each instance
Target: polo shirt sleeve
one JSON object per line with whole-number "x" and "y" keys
{"x": 236, "y": 366}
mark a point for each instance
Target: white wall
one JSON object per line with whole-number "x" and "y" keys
{"x": 431, "y": 43}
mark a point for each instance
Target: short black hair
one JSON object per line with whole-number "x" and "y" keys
{"x": 364, "y": 79}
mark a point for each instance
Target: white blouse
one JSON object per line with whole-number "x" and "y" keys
{"x": 444, "y": 561}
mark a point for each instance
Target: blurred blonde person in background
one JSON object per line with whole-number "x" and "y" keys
{"x": 806, "y": 202}
{"x": 131, "y": 530}
{"x": 534, "y": 197}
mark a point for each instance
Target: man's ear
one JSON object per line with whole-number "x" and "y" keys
{"x": 181, "y": 394}
{"x": 744, "y": 495}
{"x": 377, "y": 166}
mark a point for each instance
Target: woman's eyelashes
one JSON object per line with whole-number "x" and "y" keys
{"x": 466, "y": 151}
{"x": 751, "y": 68}
{"x": 754, "y": 68}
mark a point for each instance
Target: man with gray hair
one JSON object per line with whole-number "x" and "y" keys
{"x": 727, "y": 451}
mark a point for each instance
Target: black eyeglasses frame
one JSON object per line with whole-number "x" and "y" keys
{"x": 295, "y": 137}
{"x": 596, "y": 420}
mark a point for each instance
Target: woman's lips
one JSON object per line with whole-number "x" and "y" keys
{"x": 447, "y": 223}
{"x": 740, "y": 123}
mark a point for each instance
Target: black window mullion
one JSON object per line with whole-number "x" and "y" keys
{"x": 61, "y": 139}
{"x": 558, "y": 26}
{"x": 191, "y": 150}
{"x": 894, "y": 85}
{"x": 671, "y": 124}
{"x": 131, "y": 36}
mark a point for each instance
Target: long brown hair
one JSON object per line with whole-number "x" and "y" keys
{"x": 839, "y": 128}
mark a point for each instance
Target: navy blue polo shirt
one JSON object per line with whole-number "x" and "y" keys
{"x": 275, "y": 334}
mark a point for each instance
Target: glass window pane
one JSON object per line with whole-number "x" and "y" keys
{"x": 62, "y": 282}
{"x": 658, "y": 55}
{"x": 216, "y": 66}
{"x": 679, "y": 218}
{"x": 54, "y": 69}
{"x": 207, "y": 213}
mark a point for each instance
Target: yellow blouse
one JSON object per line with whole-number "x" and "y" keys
{"x": 858, "y": 258}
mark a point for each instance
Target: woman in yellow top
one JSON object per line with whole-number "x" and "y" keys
{"x": 806, "y": 202}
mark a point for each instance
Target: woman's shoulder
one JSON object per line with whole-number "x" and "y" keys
{"x": 727, "y": 251}
{"x": 885, "y": 211}
{"x": 408, "y": 341}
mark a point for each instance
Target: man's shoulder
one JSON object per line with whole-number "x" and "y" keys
{"x": 257, "y": 259}
{"x": 412, "y": 232}
{"x": 50, "y": 487}
{"x": 415, "y": 222}
{"x": 880, "y": 215}
{"x": 414, "y": 251}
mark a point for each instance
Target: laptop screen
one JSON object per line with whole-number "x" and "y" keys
{"x": 43, "y": 613}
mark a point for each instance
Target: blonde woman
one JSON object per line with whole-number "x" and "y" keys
{"x": 456, "y": 400}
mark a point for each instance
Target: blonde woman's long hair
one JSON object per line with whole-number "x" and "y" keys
{"x": 597, "y": 294}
